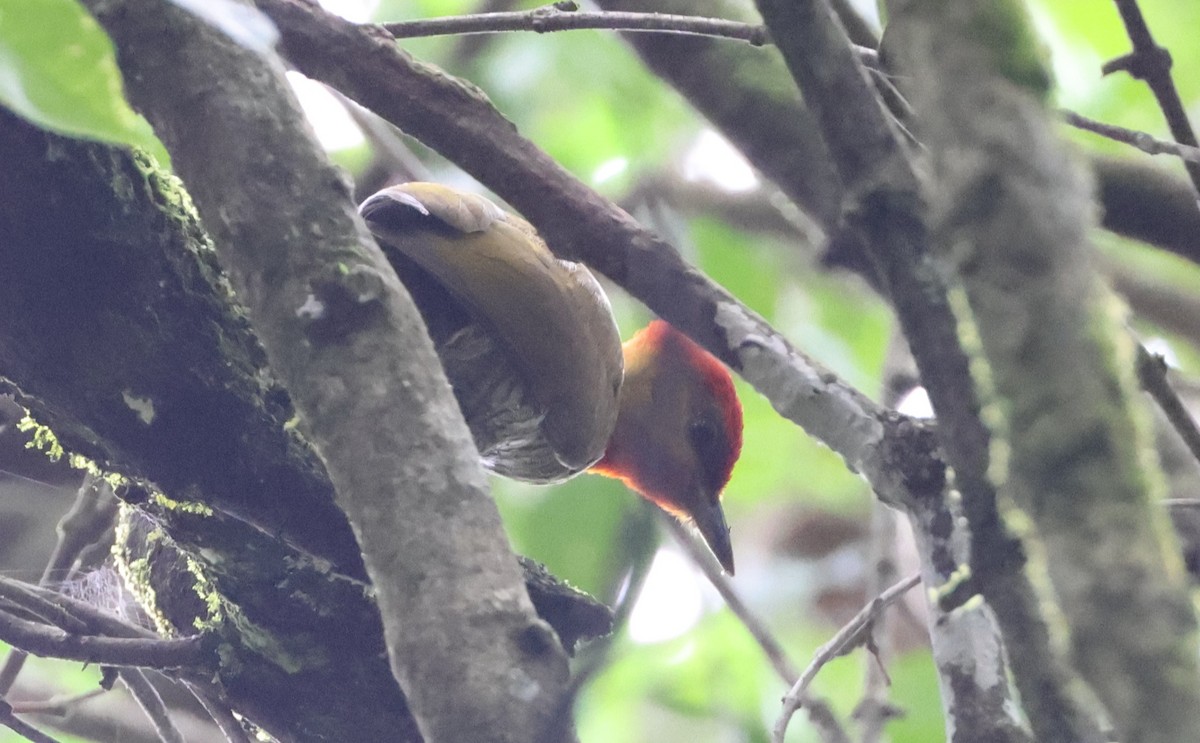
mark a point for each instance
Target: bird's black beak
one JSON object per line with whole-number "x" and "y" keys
{"x": 710, "y": 522}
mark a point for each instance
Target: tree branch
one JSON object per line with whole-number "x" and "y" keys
{"x": 1140, "y": 140}
{"x": 454, "y": 118}
{"x": 70, "y": 613}
{"x": 1152, "y": 373}
{"x": 1148, "y": 203}
{"x": 162, "y": 314}
{"x": 867, "y": 148}
{"x": 820, "y": 714}
{"x": 1152, "y": 63}
{"x": 896, "y": 455}
{"x": 41, "y": 640}
{"x": 969, "y": 649}
{"x": 20, "y": 727}
{"x": 147, "y": 697}
{"x": 90, "y": 516}
{"x": 565, "y": 16}
{"x": 554, "y": 18}
{"x": 850, "y": 635}
{"x": 363, "y": 376}
{"x": 1012, "y": 217}
{"x": 219, "y": 711}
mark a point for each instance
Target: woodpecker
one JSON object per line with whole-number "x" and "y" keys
{"x": 533, "y": 354}
{"x": 678, "y": 431}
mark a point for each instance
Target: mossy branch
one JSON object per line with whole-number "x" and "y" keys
{"x": 1013, "y": 212}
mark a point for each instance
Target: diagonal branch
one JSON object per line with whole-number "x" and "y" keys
{"x": 1013, "y": 220}
{"x": 1141, "y": 140}
{"x": 820, "y": 714}
{"x": 1152, "y": 63}
{"x": 454, "y": 117}
{"x": 20, "y": 727}
{"x": 51, "y": 642}
{"x": 1152, "y": 374}
{"x": 151, "y": 702}
{"x": 868, "y": 150}
{"x": 344, "y": 337}
{"x": 850, "y": 635}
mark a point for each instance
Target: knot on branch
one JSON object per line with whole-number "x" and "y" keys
{"x": 910, "y": 448}
{"x": 349, "y": 299}
{"x": 1149, "y": 63}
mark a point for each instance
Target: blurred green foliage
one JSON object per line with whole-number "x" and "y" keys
{"x": 586, "y": 99}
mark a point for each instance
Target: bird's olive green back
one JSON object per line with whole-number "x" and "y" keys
{"x": 551, "y": 314}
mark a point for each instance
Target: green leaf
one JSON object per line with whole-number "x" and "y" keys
{"x": 58, "y": 69}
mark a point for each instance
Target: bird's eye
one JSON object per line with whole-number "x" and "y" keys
{"x": 703, "y": 435}
{"x": 708, "y": 440}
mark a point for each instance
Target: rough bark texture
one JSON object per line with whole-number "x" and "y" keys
{"x": 111, "y": 287}
{"x": 113, "y": 301}
{"x": 966, "y": 642}
{"x": 472, "y": 657}
{"x": 888, "y": 214}
{"x": 1012, "y": 212}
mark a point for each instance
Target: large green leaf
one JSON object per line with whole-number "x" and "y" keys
{"x": 57, "y": 69}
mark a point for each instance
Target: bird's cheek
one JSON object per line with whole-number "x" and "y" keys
{"x": 670, "y": 477}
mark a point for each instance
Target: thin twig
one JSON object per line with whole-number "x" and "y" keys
{"x": 98, "y": 622}
{"x": 20, "y": 727}
{"x": 40, "y": 607}
{"x": 874, "y": 709}
{"x": 819, "y": 713}
{"x": 52, "y": 642}
{"x": 758, "y": 630}
{"x": 86, "y": 521}
{"x": 1141, "y": 140}
{"x": 554, "y": 18}
{"x": 848, "y": 636}
{"x": 59, "y": 704}
{"x": 148, "y": 698}
{"x": 89, "y": 518}
{"x": 218, "y": 709}
{"x": 1152, "y": 373}
{"x": 1151, "y": 63}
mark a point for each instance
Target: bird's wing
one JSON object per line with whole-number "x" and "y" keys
{"x": 551, "y": 314}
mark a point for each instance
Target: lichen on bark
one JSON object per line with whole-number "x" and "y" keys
{"x": 1013, "y": 211}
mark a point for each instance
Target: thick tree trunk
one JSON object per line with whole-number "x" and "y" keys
{"x": 118, "y": 331}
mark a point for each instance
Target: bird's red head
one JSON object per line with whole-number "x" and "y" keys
{"x": 679, "y": 431}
